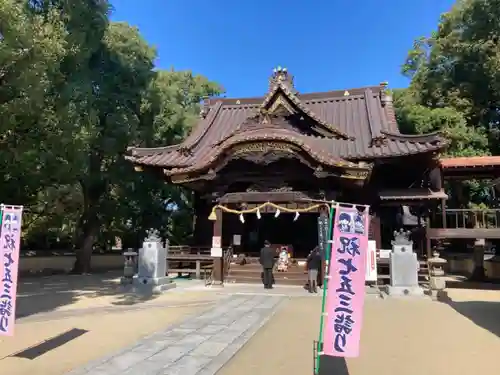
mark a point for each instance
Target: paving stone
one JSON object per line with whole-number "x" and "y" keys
{"x": 195, "y": 325}
{"x": 211, "y": 329}
{"x": 267, "y": 304}
{"x": 192, "y": 340}
{"x": 187, "y": 365}
{"x": 150, "y": 348}
{"x": 197, "y": 346}
{"x": 225, "y": 336}
{"x": 123, "y": 362}
{"x": 179, "y": 332}
{"x": 170, "y": 354}
{"x": 228, "y": 319}
{"x": 209, "y": 349}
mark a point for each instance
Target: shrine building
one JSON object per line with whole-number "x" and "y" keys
{"x": 294, "y": 150}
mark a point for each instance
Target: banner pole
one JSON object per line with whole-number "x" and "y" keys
{"x": 329, "y": 245}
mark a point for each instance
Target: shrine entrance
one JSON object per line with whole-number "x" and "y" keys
{"x": 292, "y": 224}
{"x": 299, "y": 234}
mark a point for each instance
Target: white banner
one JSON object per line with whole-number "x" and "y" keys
{"x": 371, "y": 262}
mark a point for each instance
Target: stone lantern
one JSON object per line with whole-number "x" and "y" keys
{"x": 129, "y": 267}
{"x": 437, "y": 280}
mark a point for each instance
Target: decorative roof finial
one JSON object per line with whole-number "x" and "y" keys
{"x": 385, "y": 94}
{"x": 205, "y": 107}
{"x": 281, "y": 75}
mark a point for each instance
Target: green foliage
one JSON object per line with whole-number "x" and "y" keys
{"x": 455, "y": 83}
{"x": 75, "y": 91}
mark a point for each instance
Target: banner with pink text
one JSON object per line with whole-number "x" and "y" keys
{"x": 346, "y": 283}
{"x": 10, "y": 237}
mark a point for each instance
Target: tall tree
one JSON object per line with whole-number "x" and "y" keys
{"x": 120, "y": 71}
{"x": 75, "y": 91}
{"x": 31, "y": 50}
{"x": 455, "y": 85}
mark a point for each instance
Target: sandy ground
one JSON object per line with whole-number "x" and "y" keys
{"x": 85, "y": 301}
{"x": 63, "y": 293}
{"x": 399, "y": 337}
{"x": 107, "y": 333}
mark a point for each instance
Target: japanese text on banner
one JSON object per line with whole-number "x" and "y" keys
{"x": 346, "y": 285}
{"x": 10, "y": 237}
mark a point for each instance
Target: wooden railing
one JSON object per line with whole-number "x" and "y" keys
{"x": 467, "y": 218}
{"x": 184, "y": 249}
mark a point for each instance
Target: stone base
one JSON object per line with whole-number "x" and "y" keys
{"x": 149, "y": 285}
{"x": 438, "y": 295}
{"x": 126, "y": 280}
{"x": 405, "y": 291}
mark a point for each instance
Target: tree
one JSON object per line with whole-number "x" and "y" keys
{"x": 31, "y": 49}
{"x": 75, "y": 91}
{"x": 120, "y": 70}
{"x": 170, "y": 107}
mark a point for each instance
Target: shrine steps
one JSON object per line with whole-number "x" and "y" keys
{"x": 251, "y": 274}
{"x": 296, "y": 275}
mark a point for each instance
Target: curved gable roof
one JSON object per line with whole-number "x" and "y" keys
{"x": 360, "y": 125}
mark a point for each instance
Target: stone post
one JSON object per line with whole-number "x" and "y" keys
{"x": 437, "y": 281}
{"x": 151, "y": 276}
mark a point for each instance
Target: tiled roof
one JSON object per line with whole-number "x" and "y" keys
{"x": 352, "y": 125}
{"x": 470, "y": 162}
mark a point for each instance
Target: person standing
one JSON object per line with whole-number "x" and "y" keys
{"x": 267, "y": 262}
{"x": 313, "y": 266}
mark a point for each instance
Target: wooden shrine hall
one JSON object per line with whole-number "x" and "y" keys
{"x": 293, "y": 149}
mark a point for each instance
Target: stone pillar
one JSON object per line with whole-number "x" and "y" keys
{"x": 218, "y": 273}
{"x": 404, "y": 267}
{"x": 151, "y": 276}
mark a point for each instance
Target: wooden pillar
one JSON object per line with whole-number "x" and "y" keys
{"x": 443, "y": 212}
{"x": 374, "y": 231}
{"x": 218, "y": 273}
{"x": 428, "y": 244}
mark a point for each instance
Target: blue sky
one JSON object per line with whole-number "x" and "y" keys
{"x": 326, "y": 45}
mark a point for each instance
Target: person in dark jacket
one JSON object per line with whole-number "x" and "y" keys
{"x": 267, "y": 262}
{"x": 313, "y": 266}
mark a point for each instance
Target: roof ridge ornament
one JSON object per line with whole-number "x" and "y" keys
{"x": 281, "y": 75}
{"x": 385, "y": 93}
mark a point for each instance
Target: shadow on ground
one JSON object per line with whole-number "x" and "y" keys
{"x": 44, "y": 294}
{"x": 485, "y": 314}
{"x": 466, "y": 284}
{"x": 333, "y": 366}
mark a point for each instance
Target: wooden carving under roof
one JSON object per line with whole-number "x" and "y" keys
{"x": 264, "y": 152}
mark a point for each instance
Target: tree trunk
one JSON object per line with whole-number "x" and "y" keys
{"x": 89, "y": 225}
{"x": 84, "y": 253}
{"x": 89, "y": 229}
